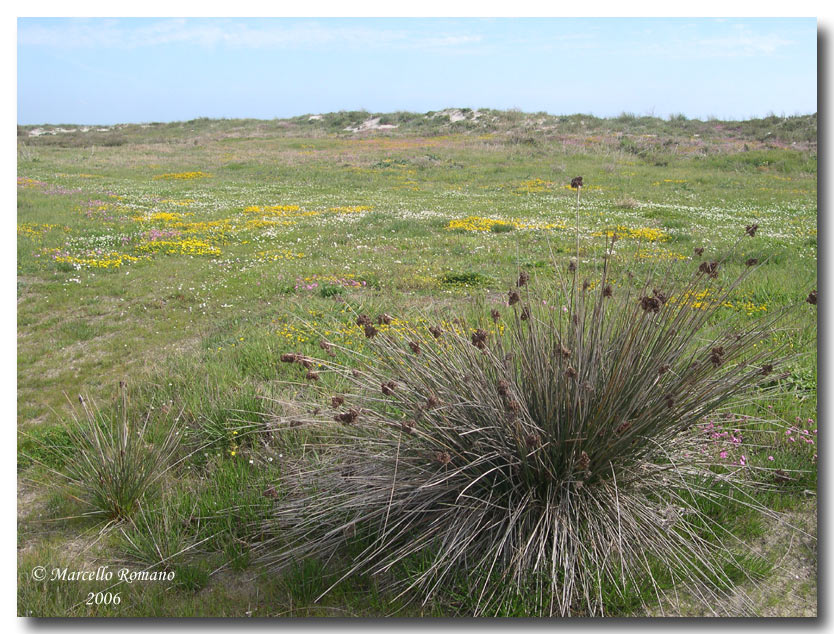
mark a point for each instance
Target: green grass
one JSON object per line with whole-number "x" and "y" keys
{"x": 197, "y": 336}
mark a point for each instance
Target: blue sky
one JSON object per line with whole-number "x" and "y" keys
{"x": 104, "y": 71}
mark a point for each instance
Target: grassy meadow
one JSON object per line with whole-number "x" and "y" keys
{"x": 164, "y": 269}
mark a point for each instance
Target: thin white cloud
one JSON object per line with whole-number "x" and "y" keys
{"x": 741, "y": 42}
{"x": 743, "y": 45}
{"x": 114, "y": 34}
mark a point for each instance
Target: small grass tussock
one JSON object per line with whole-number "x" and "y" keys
{"x": 157, "y": 537}
{"x": 557, "y": 461}
{"x": 113, "y": 459}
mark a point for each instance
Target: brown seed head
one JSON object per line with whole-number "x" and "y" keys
{"x": 415, "y": 347}
{"x": 388, "y": 388}
{"x": 407, "y": 426}
{"x": 710, "y": 268}
{"x": 752, "y": 262}
{"x": 607, "y": 291}
{"x": 563, "y": 351}
{"x": 523, "y": 278}
{"x": 750, "y": 230}
{"x": 436, "y": 331}
{"x": 347, "y": 417}
{"x": 717, "y": 356}
{"x": 661, "y": 297}
{"x": 663, "y": 369}
{"x": 496, "y": 316}
{"x": 479, "y": 338}
{"x": 503, "y": 388}
{"x": 576, "y": 183}
{"x": 570, "y": 373}
{"x": 370, "y": 331}
{"x": 443, "y": 457}
{"x": 337, "y": 401}
{"x": 289, "y": 357}
{"x": 812, "y": 297}
{"x": 650, "y": 304}
{"x": 384, "y": 318}
{"x": 312, "y": 376}
{"x": 363, "y": 320}
{"x": 525, "y": 313}
{"x": 699, "y": 251}
{"x": 766, "y": 369}
{"x": 514, "y": 297}
{"x": 584, "y": 461}
{"x": 532, "y": 440}
{"x": 572, "y": 265}
{"x": 432, "y": 401}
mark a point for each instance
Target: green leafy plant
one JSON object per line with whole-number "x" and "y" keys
{"x": 465, "y": 278}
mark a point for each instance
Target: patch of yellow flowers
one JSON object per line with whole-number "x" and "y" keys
{"x": 35, "y": 230}
{"x": 533, "y": 185}
{"x": 479, "y": 223}
{"x": 701, "y": 300}
{"x": 111, "y": 260}
{"x": 182, "y": 176}
{"x": 649, "y": 234}
{"x": 180, "y": 246}
{"x": 276, "y": 210}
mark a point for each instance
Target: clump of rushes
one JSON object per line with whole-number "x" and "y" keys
{"x": 557, "y": 461}
{"x": 112, "y": 461}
